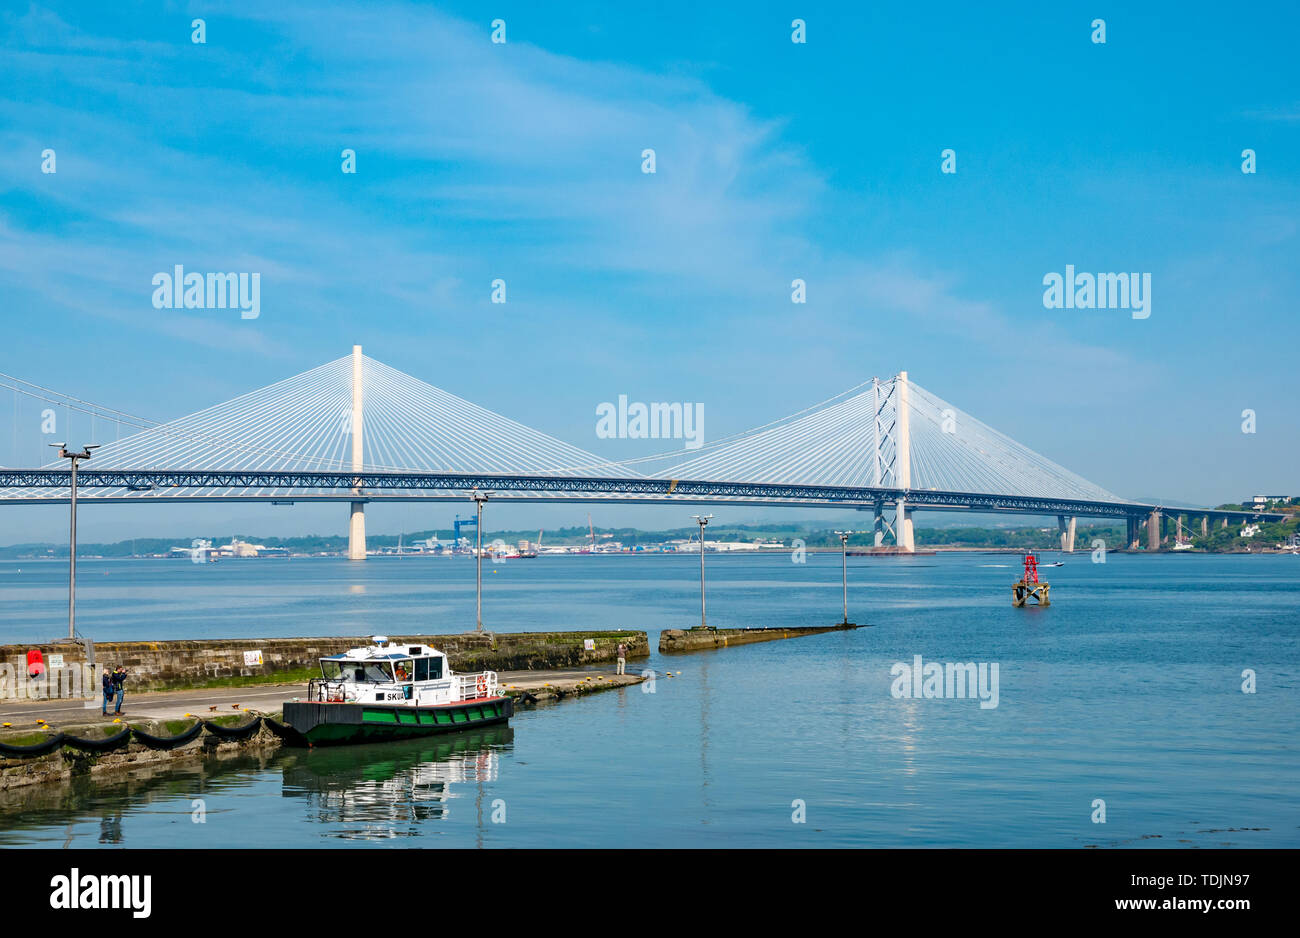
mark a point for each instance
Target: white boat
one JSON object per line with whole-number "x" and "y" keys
{"x": 387, "y": 691}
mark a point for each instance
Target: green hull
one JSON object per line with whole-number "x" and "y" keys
{"x": 332, "y": 724}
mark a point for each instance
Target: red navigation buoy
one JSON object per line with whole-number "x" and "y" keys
{"x": 35, "y": 663}
{"x": 1031, "y": 568}
{"x": 1030, "y": 587}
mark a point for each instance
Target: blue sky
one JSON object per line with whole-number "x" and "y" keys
{"x": 522, "y": 161}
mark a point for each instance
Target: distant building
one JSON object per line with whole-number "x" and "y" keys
{"x": 1263, "y": 501}
{"x": 238, "y": 548}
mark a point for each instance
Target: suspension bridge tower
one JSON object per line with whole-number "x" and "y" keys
{"x": 357, "y": 521}
{"x": 903, "y": 534}
{"x": 892, "y": 459}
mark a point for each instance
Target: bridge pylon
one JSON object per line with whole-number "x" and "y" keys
{"x": 891, "y": 463}
{"x": 357, "y": 518}
{"x": 903, "y": 534}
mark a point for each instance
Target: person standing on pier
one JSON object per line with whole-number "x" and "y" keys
{"x": 119, "y": 687}
{"x": 622, "y": 658}
{"x": 108, "y": 690}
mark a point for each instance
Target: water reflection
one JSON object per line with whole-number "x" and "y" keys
{"x": 388, "y": 790}
{"x": 705, "y": 726}
{"x": 110, "y": 829}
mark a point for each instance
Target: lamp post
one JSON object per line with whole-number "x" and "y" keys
{"x": 844, "y": 565}
{"x": 703, "y": 522}
{"x": 479, "y": 498}
{"x": 72, "y": 534}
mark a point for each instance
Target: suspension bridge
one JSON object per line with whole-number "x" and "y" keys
{"x": 358, "y": 431}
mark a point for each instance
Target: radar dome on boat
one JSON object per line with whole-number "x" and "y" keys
{"x": 379, "y": 639}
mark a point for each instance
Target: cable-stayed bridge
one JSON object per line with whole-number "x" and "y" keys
{"x": 357, "y": 431}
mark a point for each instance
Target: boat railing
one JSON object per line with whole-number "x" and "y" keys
{"x": 323, "y": 690}
{"x": 477, "y": 686}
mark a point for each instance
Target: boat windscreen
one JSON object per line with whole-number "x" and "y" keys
{"x": 374, "y": 672}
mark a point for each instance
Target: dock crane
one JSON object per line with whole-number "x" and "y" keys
{"x": 457, "y": 524}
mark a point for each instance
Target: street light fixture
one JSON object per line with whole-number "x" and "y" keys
{"x": 702, "y": 521}
{"x": 479, "y": 498}
{"x": 72, "y": 535}
{"x": 844, "y": 564}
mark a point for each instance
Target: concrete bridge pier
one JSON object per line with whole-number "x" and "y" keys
{"x": 1154, "y": 530}
{"x": 904, "y": 534}
{"x": 1066, "y": 524}
{"x": 1205, "y": 525}
{"x": 880, "y": 524}
{"x": 1131, "y": 539}
{"x": 357, "y": 532}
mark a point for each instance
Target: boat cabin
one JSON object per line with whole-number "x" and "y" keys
{"x": 383, "y": 672}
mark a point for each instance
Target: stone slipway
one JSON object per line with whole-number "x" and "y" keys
{"x": 679, "y": 640}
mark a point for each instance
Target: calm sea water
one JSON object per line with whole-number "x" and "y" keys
{"x": 1127, "y": 689}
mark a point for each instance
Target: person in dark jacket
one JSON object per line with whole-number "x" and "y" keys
{"x": 108, "y": 690}
{"x": 119, "y": 690}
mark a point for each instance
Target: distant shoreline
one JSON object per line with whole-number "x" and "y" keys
{"x": 858, "y": 551}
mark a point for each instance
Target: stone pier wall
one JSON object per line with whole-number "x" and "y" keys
{"x": 173, "y": 665}
{"x": 68, "y": 763}
{"x": 678, "y": 640}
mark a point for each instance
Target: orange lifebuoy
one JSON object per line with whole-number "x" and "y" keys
{"x": 482, "y": 685}
{"x": 35, "y": 663}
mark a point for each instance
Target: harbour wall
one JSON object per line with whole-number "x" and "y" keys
{"x": 176, "y": 665}
{"x": 680, "y": 640}
{"x": 67, "y": 763}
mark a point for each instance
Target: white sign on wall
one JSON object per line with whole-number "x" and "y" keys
{"x": 253, "y": 659}
{"x": 589, "y": 644}
{"x": 56, "y": 661}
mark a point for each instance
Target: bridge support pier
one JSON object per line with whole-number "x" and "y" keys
{"x": 1132, "y": 540}
{"x": 357, "y": 532}
{"x": 880, "y": 524}
{"x": 1067, "y": 528}
{"x": 1205, "y": 525}
{"x": 904, "y": 535}
{"x": 1154, "y": 530}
